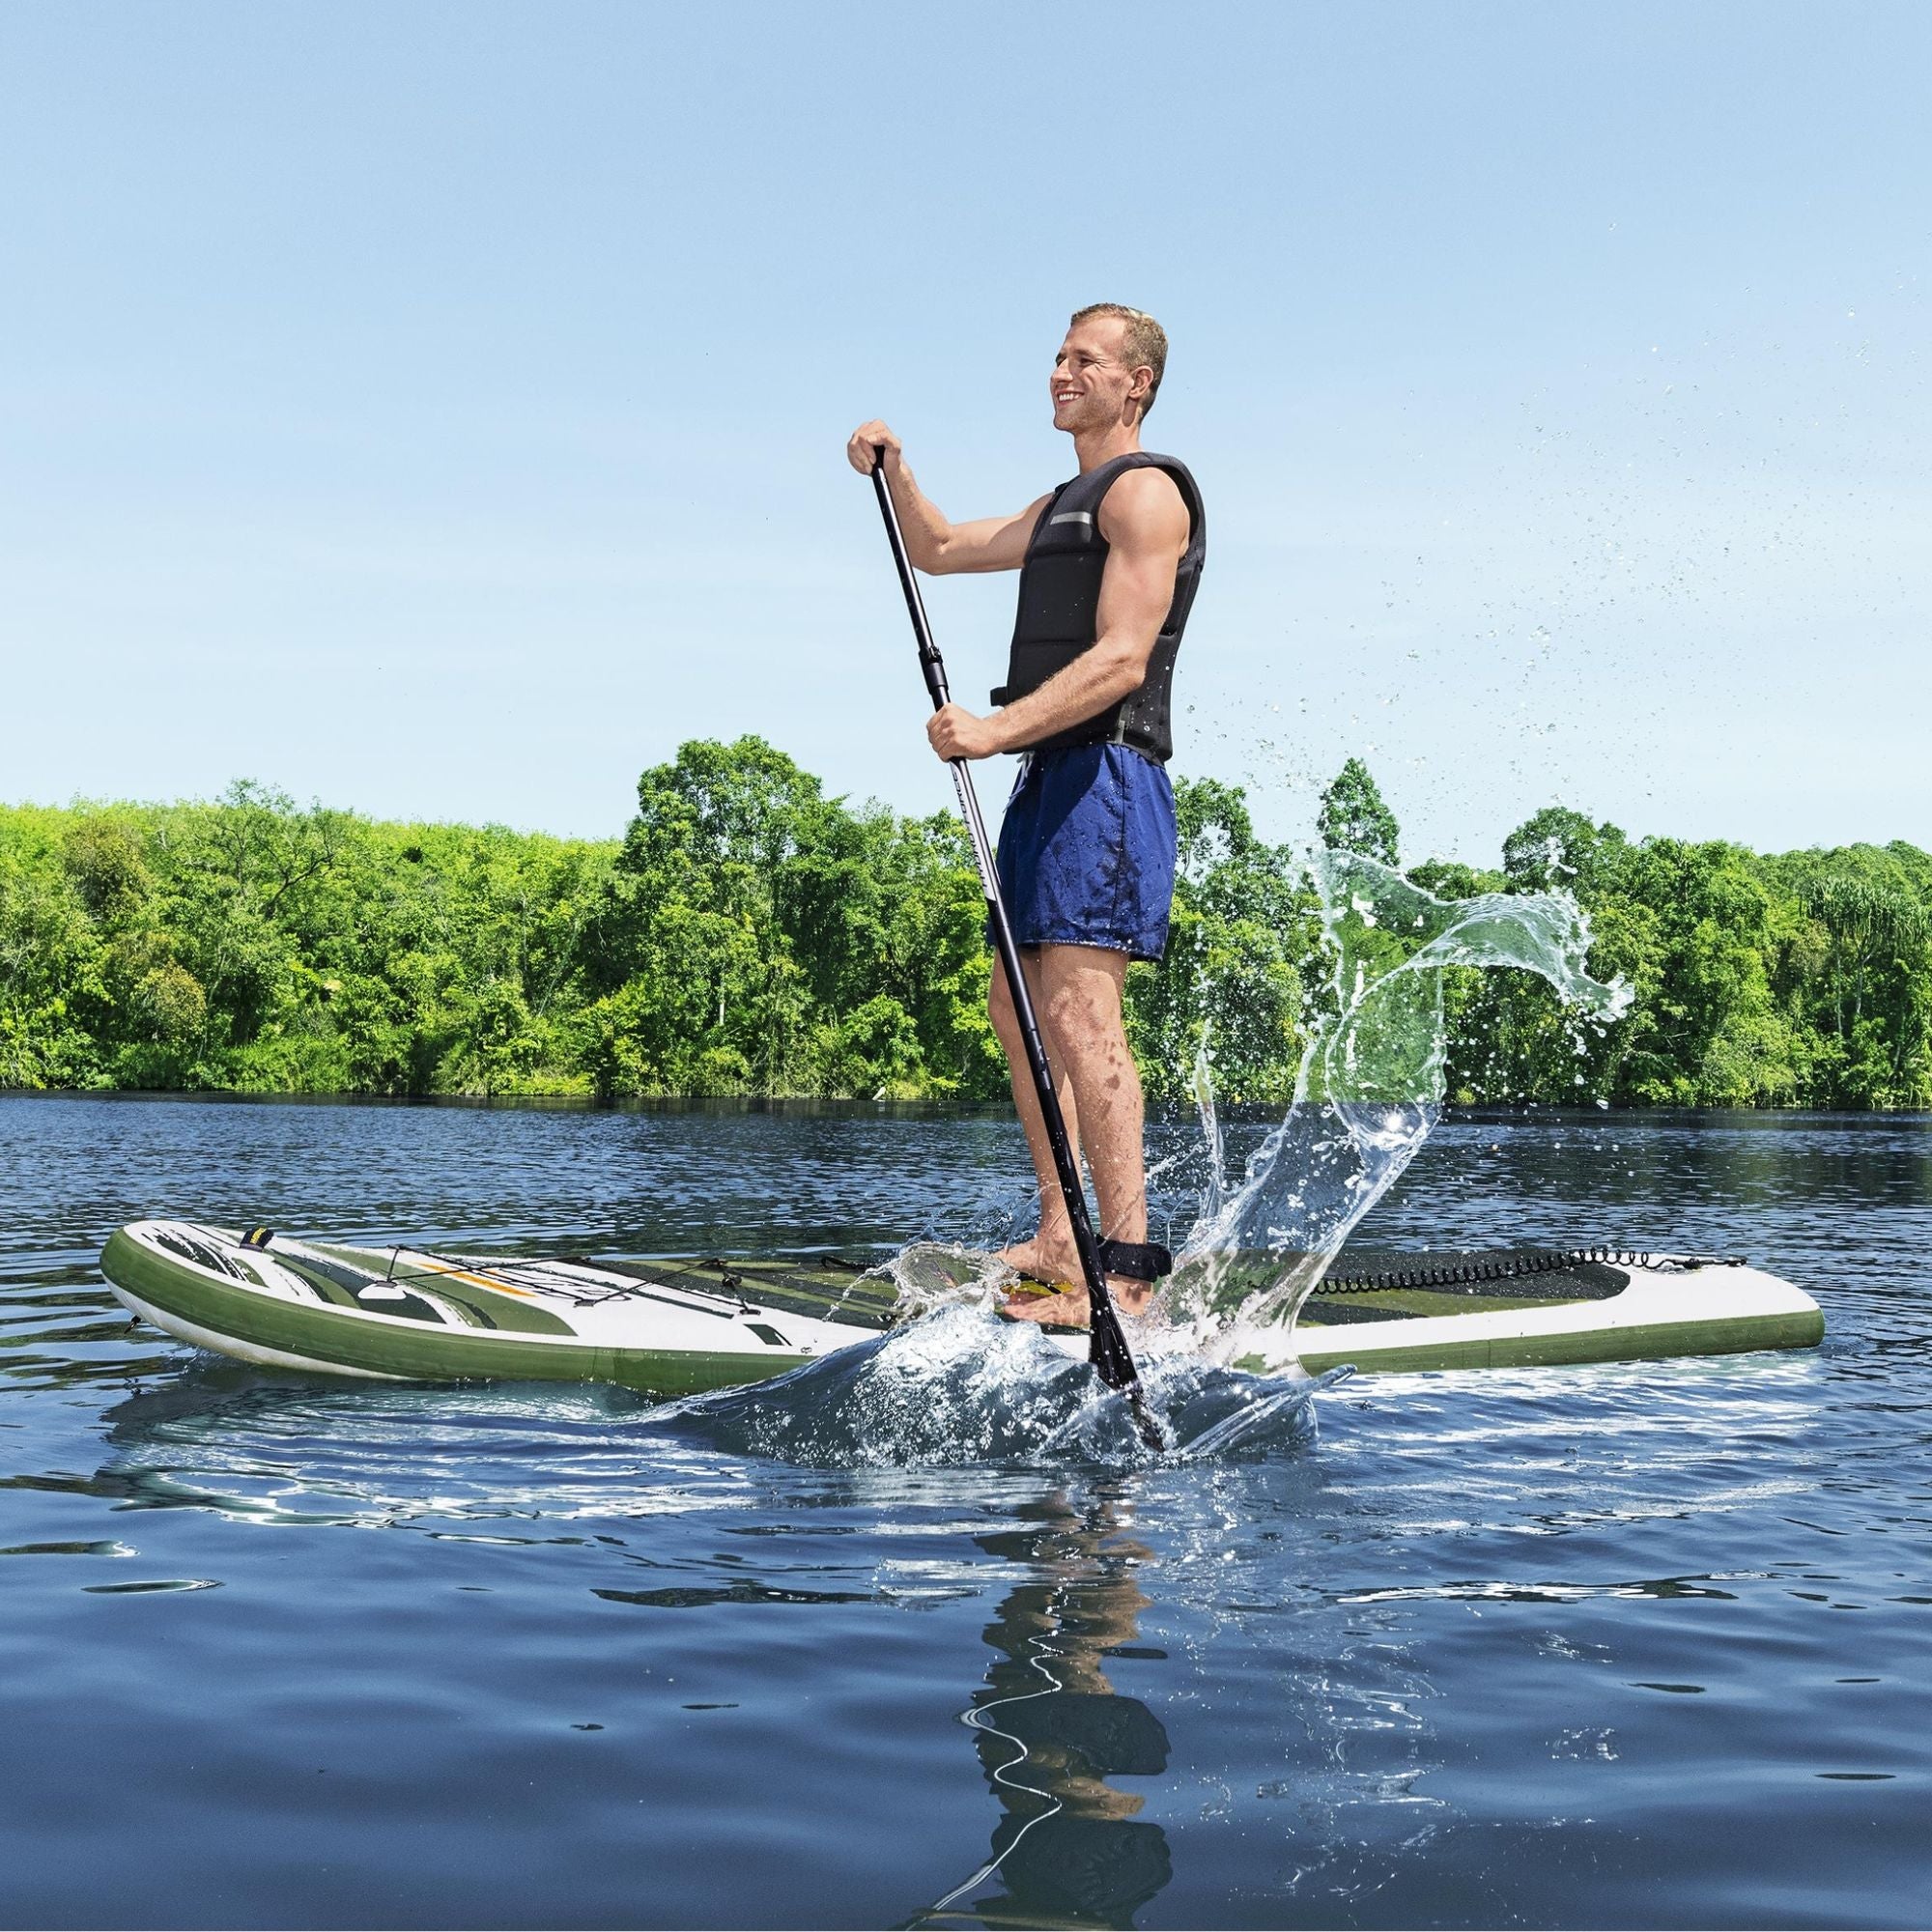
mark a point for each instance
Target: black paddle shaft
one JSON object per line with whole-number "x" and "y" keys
{"x": 1108, "y": 1348}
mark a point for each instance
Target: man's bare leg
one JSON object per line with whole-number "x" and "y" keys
{"x": 1077, "y": 997}
{"x": 1049, "y": 1254}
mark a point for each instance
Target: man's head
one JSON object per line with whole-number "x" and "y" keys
{"x": 1108, "y": 369}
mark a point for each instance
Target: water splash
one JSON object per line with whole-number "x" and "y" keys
{"x": 960, "y": 1387}
{"x": 1369, "y": 1089}
{"x": 957, "y": 1385}
{"x": 1201, "y": 1085}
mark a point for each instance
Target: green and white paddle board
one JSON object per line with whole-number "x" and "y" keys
{"x": 673, "y": 1327}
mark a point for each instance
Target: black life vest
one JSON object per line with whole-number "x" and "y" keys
{"x": 1060, "y": 607}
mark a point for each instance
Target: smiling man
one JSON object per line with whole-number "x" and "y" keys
{"x": 1108, "y": 566}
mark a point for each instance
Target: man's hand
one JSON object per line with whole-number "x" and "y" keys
{"x": 867, "y": 442}
{"x": 954, "y": 732}
{"x": 934, "y": 545}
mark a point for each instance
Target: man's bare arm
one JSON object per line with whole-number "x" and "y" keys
{"x": 1147, "y": 528}
{"x": 935, "y": 546}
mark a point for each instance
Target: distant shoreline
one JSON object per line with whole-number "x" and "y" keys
{"x": 808, "y": 1106}
{"x": 750, "y": 939}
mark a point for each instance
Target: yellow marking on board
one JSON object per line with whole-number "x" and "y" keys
{"x": 482, "y": 1280}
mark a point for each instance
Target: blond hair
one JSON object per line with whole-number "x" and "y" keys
{"x": 1144, "y": 342}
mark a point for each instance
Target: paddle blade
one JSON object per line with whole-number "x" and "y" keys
{"x": 1108, "y": 1351}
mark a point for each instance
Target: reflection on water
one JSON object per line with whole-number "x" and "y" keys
{"x": 1062, "y": 1748}
{"x": 270, "y": 1448}
{"x": 1052, "y": 1730}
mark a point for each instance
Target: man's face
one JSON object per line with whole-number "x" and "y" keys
{"x": 1090, "y": 377}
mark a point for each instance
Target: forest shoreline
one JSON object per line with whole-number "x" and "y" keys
{"x": 751, "y": 937}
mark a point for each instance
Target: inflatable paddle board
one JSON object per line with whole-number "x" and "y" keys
{"x": 673, "y": 1327}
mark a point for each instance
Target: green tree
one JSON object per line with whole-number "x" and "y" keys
{"x": 1354, "y": 817}
{"x": 1559, "y": 850}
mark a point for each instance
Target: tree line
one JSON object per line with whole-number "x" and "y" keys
{"x": 750, "y": 936}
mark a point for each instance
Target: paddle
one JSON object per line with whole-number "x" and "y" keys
{"x": 1107, "y": 1347}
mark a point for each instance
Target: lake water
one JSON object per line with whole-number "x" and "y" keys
{"x": 1631, "y": 1645}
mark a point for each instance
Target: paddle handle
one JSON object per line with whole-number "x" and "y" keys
{"x": 1107, "y": 1345}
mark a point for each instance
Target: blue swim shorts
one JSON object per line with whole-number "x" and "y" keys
{"x": 1086, "y": 850}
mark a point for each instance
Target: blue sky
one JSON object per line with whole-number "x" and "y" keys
{"x": 439, "y": 410}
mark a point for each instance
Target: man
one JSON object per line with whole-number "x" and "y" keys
{"x": 1108, "y": 566}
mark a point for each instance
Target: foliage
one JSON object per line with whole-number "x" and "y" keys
{"x": 1796, "y": 980}
{"x": 750, "y": 934}
{"x": 1242, "y": 932}
{"x": 1354, "y": 817}
{"x": 251, "y": 944}
{"x": 756, "y": 936}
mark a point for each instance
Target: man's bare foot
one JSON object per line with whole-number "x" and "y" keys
{"x": 1042, "y": 1260}
{"x": 1069, "y": 1308}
